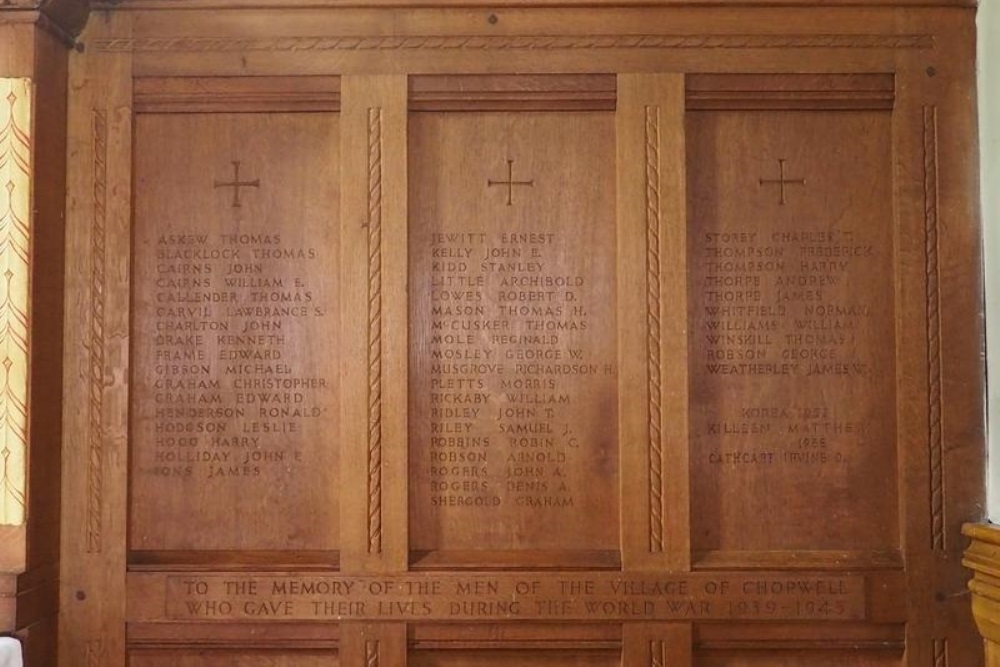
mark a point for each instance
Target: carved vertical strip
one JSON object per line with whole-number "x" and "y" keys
{"x": 653, "y": 266}
{"x": 15, "y": 239}
{"x": 98, "y": 256}
{"x": 940, "y": 653}
{"x": 934, "y": 436}
{"x": 374, "y": 330}
{"x": 95, "y": 653}
{"x": 372, "y": 653}
{"x": 657, "y": 654}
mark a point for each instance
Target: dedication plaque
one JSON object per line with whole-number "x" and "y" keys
{"x": 792, "y": 331}
{"x": 512, "y": 332}
{"x": 234, "y": 405}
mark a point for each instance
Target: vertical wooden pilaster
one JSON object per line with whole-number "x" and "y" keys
{"x": 373, "y": 319}
{"x": 652, "y": 312}
{"x": 95, "y": 459}
{"x": 652, "y": 343}
{"x": 373, "y": 271}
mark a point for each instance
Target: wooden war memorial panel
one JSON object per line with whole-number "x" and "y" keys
{"x": 481, "y": 345}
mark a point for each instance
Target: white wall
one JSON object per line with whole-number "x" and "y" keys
{"x": 989, "y": 129}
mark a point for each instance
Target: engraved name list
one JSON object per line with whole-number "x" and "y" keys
{"x": 226, "y": 396}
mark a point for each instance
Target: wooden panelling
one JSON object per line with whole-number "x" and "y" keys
{"x": 644, "y": 336}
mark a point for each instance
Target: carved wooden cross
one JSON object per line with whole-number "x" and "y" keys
{"x": 782, "y": 181}
{"x": 510, "y": 182}
{"x": 236, "y": 184}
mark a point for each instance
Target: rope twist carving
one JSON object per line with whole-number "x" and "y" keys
{"x": 374, "y": 330}
{"x": 507, "y": 42}
{"x": 653, "y": 268}
{"x": 98, "y": 259}
{"x": 934, "y": 436}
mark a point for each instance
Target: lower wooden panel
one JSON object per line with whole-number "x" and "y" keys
{"x": 711, "y": 638}
{"x": 202, "y": 658}
{"x": 514, "y": 658}
{"x": 233, "y": 636}
{"x": 797, "y": 658}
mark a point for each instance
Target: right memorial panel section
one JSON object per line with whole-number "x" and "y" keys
{"x": 791, "y": 306}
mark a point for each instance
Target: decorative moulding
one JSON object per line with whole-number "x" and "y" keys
{"x": 345, "y": 4}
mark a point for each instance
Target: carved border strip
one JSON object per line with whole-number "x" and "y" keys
{"x": 372, "y": 653}
{"x": 653, "y": 365}
{"x": 374, "y": 330}
{"x": 934, "y": 435}
{"x": 15, "y": 240}
{"x": 657, "y": 653}
{"x": 940, "y": 653}
{"x": 95, "y": 480}
{"x": 505, "y": 42}
{"x": 95, "y": 653}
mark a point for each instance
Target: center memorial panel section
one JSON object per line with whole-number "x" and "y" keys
{"x": 234, "y": 402}
{"x": 512, "y": 332}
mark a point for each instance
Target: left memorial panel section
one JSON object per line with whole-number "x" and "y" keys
{"x": 234, "y": 337}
